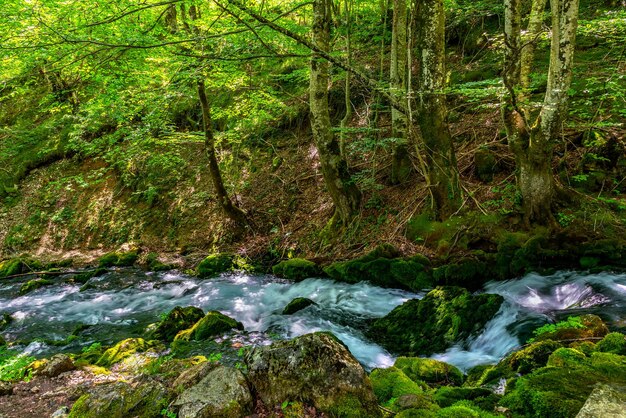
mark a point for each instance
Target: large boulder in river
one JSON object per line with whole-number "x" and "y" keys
{"x": 222, "y": 393}
{"x": 297, "y": 269}
{"x": 446, "y": 315}
{"x": 177, "y": 319}
{"x": 214, "y": 265}
{"x": 142, "y": 398}
{"x": 213, "y": 324}
{"x": 296, "y": 305}
{"x": 316, "y": 369}
{"x": 431, "y": 371}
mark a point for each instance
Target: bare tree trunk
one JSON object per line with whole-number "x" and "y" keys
{"x": 432, "y": 109}
{"x": 529, "y": 39}
{"x": 230, "y": 209}
{"x": 344, "y": 193}
{"x": 401, "y": 163}
{"x": 533, "y": 143}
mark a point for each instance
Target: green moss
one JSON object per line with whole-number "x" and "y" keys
{"x": 297, "y": 305}
{"x": 391, "y": 383}
{"x": 464, "y": 409}
{"x": 33, "y": 285}
{"x": 213, "y": 324}
{"x": 416, "y": 413}
{"x": 444, "y": 316}
{"x": 615, "y": 343}
{"x": 532, "y": 357}
{"x": 177, "y": 319}
{"x": 214, "y": 265}
{"x": 12, "y": 267}
{"x": 85, "y": 276}
{"x": 118, "y": 259}
{"x": 471, "y": 274}
{"x": 125, "y": 349}
{"x": 383, "y": 268}
{"x": 575, "y": 328}
{"x": 153, "y": 263}
{"x": 560, "y": 389}
{"x": 481, "y": 397}
{"x": 433, "y": 372}
{"x": 589, "y": 262}
{"x": 296, "y": 269}
{"x": 349, "y": 406}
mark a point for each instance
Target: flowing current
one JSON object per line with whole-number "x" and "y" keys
{"x": 123, "y": 303}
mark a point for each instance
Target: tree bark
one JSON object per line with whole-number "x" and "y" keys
{"x": 401, "y": 163}
{"x": 441, "y": 163}
{"x": 348, "y": 102}
{"x": 344, "y": 193}
{"x": 230, "y": 209}
{"x": 533, "y": 143}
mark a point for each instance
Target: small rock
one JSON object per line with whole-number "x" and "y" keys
{"x": 58, "y": 364}
{"x": 193, "y": 375}
{"x": 6, "y": 388}
{"x": 62, "y": 412}
{"x": 297, "y": 305}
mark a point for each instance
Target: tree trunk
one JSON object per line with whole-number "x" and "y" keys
{"x": 529, "y": 39}
{"x": 344, "y": 193}
{"x": 348, "y": 102}
{"x": 432, "y": 109}
{"x": 229, "y": 208}
{"x": 533, "y": 144}
{"x": 401, "y": 163}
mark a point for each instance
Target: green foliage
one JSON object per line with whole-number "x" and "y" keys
{"x": 614, "y": 342}
{"x": 14, "y": 365}
{"x": 571, "y": 322}
{"x": 118, "y": 259}
{"x": 433, "y": 372}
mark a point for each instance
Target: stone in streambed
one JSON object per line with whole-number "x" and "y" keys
{"x": 297, "y": 305}
{"x": 213, "y": 324}
{"x": 297, "y": 269}
{"x": 444, "y": 316}
{"x": 316, "y": 369}
{"x": 178, "y": 319}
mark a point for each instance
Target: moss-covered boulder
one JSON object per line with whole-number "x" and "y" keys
{"x": 153, "y": 263}
{"x": 126, "y": 348}
{"x": 87, "y": 275}
{"x": 145, "y": 398}
{"x": 178, "y": 319}
{"x": 296, "y": 305}
{"x": 446, "y": 315}
{"x": 396, "y": 391}
{"x": 383, "y": 268}
{"x": 576, "y": 328}
{"x": 316, "y": 369}
{"x": 33, "y": 285}
{"x": 118, "y": 259}
{"x": 614, "y": 342}
{"x": 214, "y": 265}
{"x": 560, "y": 389}
{"x": 297, "y": 269}
{"x": 12, "y": 266}
{"x": 532, "y": 357}
{"x": 212, "y": 324}
{"x": 433, "y": 372}
{"x": 57, "y": 364}
{"x": 223, "y": 392}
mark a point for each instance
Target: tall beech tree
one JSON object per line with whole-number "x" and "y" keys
{"x": 442, "y": 175}
{"x": 532, "y": 134}
{"x": 343, "y": 191}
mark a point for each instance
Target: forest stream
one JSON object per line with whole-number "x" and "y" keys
{"x": 123, "y": 302}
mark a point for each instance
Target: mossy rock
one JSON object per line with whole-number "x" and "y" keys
{"x": 464, "y": 409}
{"x": 445, "y": 316}
{"x": 391, "y": 383}
{"x": 212, "y": 324}
{"x": 297, "y": 269}
{"x": 125, "y": 349}
{"x": 144, "y": 399}
{"x": 470, "y": 274}
{"x": 297, "y": 305}
{"x": 85, "y": 276}
{"x": 13, "y": 266}
{"x": 33, "y": 285}
{"x": 585, "y": 327}
{"x": 560, "y": 389}
{"x": 483, "y": 398}
{"x": 118, "y": 259}
{"x": 614, "y": 342}
{"x": 433, "y": 372}
{"x": 178, "y": 319}
{"x": 154, "y": 264}
{"x": 532, "y": 357}
{"x": 214, "y": 265}
{"x": 382, "y": 267}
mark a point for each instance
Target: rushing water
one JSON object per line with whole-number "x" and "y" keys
{"x": 122, "y": 303}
